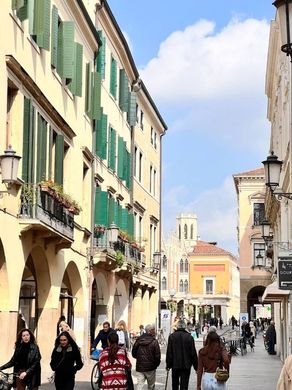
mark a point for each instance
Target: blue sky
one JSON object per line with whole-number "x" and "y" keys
{"x": 204, "y": 64}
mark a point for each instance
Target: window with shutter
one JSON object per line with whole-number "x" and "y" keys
{"x": 54, "y": 37}
{"x": 112, "y": 149}
{"x": 124, "y": 91}
{"x": 21, "y": 9}
{"x": 100, "y": 59}
{"x": 59, "y": 159}
{"x": 65, "y": 50}
{"x": 41, "y": 163}
{"x": 28, "y": 142}
{"x": 101, "y": 136}
{"x": 88, "y": 90}
{"x": 121, "y": 157}
{"x": 129, "y": 171}
{"x": 132, "y": 108}
{"x": 113, "y": 78}
{"x": 111, "y": 211}
{"x": 124, "y": 220}
{"x": 101, "y": 207}
{"x": 41, "y": 23}
{"x": 76, "y": 83}
{"x": 120, "y": 213}
{"x": 96, "y": 92}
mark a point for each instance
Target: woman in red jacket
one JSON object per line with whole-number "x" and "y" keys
{"x": 113, "y": 364}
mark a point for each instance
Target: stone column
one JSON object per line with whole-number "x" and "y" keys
{"x": 7, "y": 319}
{"x": 137, "y": 310}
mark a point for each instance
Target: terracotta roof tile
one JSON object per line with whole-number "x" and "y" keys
{"x": 205, "y": 248}
{"x": 254, "y": 172}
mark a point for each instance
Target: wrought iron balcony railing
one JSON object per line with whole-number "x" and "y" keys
{"x": 43, "y": 206}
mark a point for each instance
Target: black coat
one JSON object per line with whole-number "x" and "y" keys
{"x": 65, "y": 363}
{"x": 102, "y": 336}
{"x": 181, "y": 352}
{"x": 147, "y": 352}
{"x": 271, "y": 334}
{"x": 33, "y": 377}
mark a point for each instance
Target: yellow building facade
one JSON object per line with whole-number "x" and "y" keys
{"x": 69, "y": 107}
{"x": 214, "y": 282}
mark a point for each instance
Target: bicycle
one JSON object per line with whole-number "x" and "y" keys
{"x": 6, "y": 380}
{"x": 95, "y": 372}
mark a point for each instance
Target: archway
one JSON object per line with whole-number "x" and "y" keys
{"x": 254, "y": 300}
{"x": 4, "y": 286}
{"x": 99, "y": 301}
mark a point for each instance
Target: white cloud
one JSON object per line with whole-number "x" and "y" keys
{"x": 216, "y": 210}
{"x": 199, "y": 64}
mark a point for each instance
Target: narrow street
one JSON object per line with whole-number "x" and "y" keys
{"x": 256, "y": 370}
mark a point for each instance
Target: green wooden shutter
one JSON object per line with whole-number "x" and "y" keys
{"x": 22, "y": 10}
{"x": 59, "y": 159}
{"x": 124, "y": 220}
{"x": 100, "y": 59}
{"x": 111, "y": 211}
{"x": 96, "y": 92}
{"x": 128, "y": 177}
{"x": 41, "y": 172}
{"x": 54, "y": 37}
{"x": 124, "y": 91}
{"x": 132, "y": 108}
{"x": 88, "y": 90}
{"x": 112, "y": 153}
{"x": 26, "y": 139}
{"x": 42, "y": 23}
{"x": 116, "y": 213}
{"x": 101, "y": 207}
{"x": 50, "y": 153}
{"x": 113, "y": 77}
{"x": 101, "y": 137}
{"x": 65, "y": 50}
{"x": 120, "y": 212}
{"x": 121, "y": 155}
{"x": 131, "y": 224}
{"x": 16, "y": 4}
{"x": 76, "y": 84}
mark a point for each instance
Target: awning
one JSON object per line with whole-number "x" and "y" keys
{"x": 273, "y": 294}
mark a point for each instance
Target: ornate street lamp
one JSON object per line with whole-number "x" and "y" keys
{"x": 284, "y": 8}
{"x": 9, "y": 162}
{"x": 266, "y": 230}
{"x": 113, "y": 232}
{"x": 259, "y": 261}
{"x": 156, "y": 260}
{"x": 272, "y": 171}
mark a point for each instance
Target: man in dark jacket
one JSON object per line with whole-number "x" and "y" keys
{"x": 271, "y": 338}
{"x": 103, "y": 335}
{"x": 147, "y": 352}
{"x": 181, "y": 355}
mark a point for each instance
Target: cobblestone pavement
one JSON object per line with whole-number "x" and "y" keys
{"x": 256, "y": 370}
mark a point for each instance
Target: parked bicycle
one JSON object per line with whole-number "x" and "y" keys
{"x": 6, "y": 380}
{"x": 95, "y": 372}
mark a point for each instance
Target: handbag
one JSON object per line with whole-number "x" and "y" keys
{"x": 221, "y": 374}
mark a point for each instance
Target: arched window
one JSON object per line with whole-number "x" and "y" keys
{"x": 181, "y": 266}
{"x": 192, "y": 231}
{"x": 186, "y": 266}
{"x": 179, "y": 232}
{"x": 164, "y": 262}
{"x": 186, "y": 286}
{"x": 163, "y": 283}
{"x": 181, "y": 286}
{"x": 185, "y": 232}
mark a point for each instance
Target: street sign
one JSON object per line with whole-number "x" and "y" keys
{"x": 285, "y": 273}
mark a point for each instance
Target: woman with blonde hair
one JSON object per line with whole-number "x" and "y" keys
{"x": 122, "y": 334}
{"x": 64, "y": 327}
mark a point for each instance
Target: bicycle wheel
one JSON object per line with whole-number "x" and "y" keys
{"x": 95, "y": 376}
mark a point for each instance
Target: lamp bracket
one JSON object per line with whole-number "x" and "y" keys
{"x": 287, "y": 49}
{"x": 281, "y": 195}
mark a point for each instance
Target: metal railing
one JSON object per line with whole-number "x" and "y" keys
{"x": 41, "y": 205}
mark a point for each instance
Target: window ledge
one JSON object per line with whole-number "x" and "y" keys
{"x": 34, "y": 45}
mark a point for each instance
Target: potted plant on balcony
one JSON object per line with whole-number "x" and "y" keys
{"x": 124, "y": 235}
{"x": 75, "y": 207}
{"x": 99, "y": 229}
{"x": 120, "y": 258}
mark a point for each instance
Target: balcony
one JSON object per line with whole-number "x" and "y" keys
{"x": 46, "y": 215}
{"x": 117, "y": 254}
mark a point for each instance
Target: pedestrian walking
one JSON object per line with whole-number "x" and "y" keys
{"x": 114, "y": 364}
{"x": 233, "y": 322}
{"x": 122, "y": 333}
{"x": 211, "y": 356}
{"x": 103, "y": 335}
{"x": 146, "y": 351}
{"x": 141, "y": 330}
{"x": 252, "y": 331}
{"x": 64, "y": 327}
{"x": 271, "y": 338}
{"x": 25, "y": 362}
{"x": 284, "y": 382}
{"x": 65, "y": 361}
{"x": 181, "y": 355}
